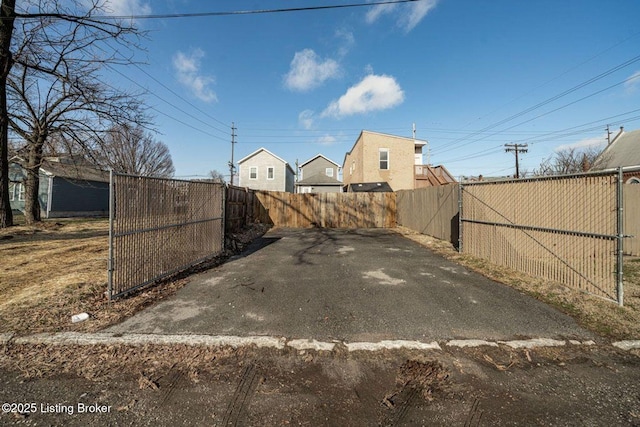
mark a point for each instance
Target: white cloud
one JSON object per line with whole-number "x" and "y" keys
{"x": 632, "y": 84}
{"x": 377, "y": 11}
{"x": 127, "y": 7}
{"x": 187, "y": 68}
{"x": 308, "y": 71}
{"x": 373, "y": 93}
{"x": 327, "y": 140}
{"x": 406, "y": 16}
{"x": 306, "y": 119}
{"x": 347, "y": 41}
{"x": 595, "y": 142}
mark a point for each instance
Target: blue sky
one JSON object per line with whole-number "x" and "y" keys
{"x": 471, "y": 75}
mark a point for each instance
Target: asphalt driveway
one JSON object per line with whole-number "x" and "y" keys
{"x": 351, "y": 285}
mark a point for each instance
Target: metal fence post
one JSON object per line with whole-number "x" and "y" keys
{"x": 460, "y": 189}
{"x": 111, "y": 215}
{"x": 620, "y": 237}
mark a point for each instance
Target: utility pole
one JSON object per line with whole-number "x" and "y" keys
{"x": 608, "y": 135}
{"x": 516, "y": 148}
{"x": 232, "y": 167}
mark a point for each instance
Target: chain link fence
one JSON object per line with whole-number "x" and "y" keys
{"x": 158, "y": 227}
{"x": 566, "y": 229}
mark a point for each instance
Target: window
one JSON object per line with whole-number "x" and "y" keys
{"x": 12, "y": 191}
{"x": 328, "y": 171}
{"x": 633, "y": 180}
{"x": 270, "y": 172}
{"x": 21, "y": 192}
{"x": 384, "y": 158}
{"x": 253, "y": 172}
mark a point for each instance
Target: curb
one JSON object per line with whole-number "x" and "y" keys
{"x": 279, "y": 343}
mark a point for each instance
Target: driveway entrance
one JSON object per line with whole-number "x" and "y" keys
{"x": 351, "y": 285}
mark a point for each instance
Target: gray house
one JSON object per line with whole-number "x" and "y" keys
{"x": 66, "y": 189}
{"x": 263, "y": 170}
{"x": 624, "y": 150}
{"x": 319, "y": 175}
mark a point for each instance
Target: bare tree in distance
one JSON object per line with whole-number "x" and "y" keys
{"x": 216, "y": 176}
{"x": 567, "y": 161}
{"x": 56, "y": 88}
{"x": 131, "y": 150}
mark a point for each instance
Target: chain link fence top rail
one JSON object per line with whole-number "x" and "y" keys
{"x": 161, "y": 226}
{"x": 562, "y": 228}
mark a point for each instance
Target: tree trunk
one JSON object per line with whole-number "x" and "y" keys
{"x": 32, "y": 184}
{"x": 7, "y": 16}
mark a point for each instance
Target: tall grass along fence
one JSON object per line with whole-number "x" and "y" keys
{"x": 331, "y": 210}
{"x": 160, "y": 226}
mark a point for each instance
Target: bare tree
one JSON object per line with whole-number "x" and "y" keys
{"x": 128, "y": 149}
{"x": 7, "y": 18}
{"x": 55, "y": 88}
{"x": 216, "y": 176}
{"x": 570, "y": 160}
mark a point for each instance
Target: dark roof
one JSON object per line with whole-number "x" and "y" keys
{"x": 369, "y": 187}
{"x": 315, "y": 157}
{"x": 71, "y": 170}
{"x": 319, "y": 179}
{"x": 624, "y": 150}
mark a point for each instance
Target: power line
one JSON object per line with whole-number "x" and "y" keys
{"x": 210, "y": 14}
{"x": 173, "y": 106}
{"x": 549, "y": 100}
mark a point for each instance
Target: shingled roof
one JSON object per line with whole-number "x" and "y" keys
{"x": 624, "y": 150}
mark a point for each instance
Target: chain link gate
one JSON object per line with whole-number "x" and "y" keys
{"x": 567, "y": 229}
{"x": 159, "y": 226}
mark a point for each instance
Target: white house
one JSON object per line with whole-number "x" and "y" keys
{"x": 263, "y": 170}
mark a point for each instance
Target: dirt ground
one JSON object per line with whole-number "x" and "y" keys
{"x": 181, "y": 385}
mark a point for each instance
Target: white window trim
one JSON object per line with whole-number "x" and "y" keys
{"x": 273, "y": 173}
{"x": 328, "y": 172}
{"x": 250, "y": 169}
{"x": 21, "y": 192}
{"x": 12, "y": 191}
{"x": 380, "y": 151}
{"x": 633, "y": 180}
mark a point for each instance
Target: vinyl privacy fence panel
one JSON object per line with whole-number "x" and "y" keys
{"x": 563, "y": 229}
{"x": 632, "y": 219}
{"x": 432, "y": 211}
{"x": 159, "y": 227}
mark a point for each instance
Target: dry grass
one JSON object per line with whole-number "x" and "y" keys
{"x": 603, "y": 317}
{"x": 58, "y": 268}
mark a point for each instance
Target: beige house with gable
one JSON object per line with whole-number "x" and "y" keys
{"x": 395, "y": 160}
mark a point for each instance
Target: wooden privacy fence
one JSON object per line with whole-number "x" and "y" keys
{"x": 432, "y": 211}
{"x": 160, "y": 226}
{"x": 240, "y": 208}
{"x": 330, "y": 210}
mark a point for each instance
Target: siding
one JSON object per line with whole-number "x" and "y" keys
{"x": 318, "y": 165}
{"x": 264, "y": 160}
{"x": 76, "y": 197}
